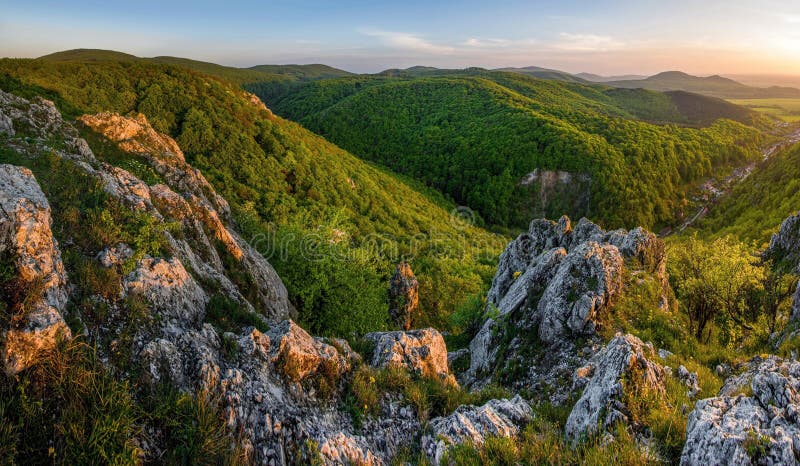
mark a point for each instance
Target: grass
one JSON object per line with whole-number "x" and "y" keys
{"x": 787, "y": 110}
{"x": 429, "y": 397}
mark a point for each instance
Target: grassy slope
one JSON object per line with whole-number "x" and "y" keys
{"x": 472, "y": 136}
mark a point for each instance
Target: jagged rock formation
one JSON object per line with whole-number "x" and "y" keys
{"x": 755, "y": 419}
{"x": 423, "y": 352}
{"x": 602, "y": 403}
{"x": 403, "y": 296}
{"x": 473, "y": 424}
{"x": 785, "y": 247}
{"x": 35, "y": 298}
{"x": 553, "y": 286}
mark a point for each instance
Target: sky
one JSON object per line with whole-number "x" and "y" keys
{"x": 605, "y": 37}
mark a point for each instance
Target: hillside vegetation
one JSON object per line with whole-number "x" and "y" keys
{"x": 298, "y": 195}
{"x": 475, "y": 135}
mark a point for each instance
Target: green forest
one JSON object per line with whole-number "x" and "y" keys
{"x": 473, "y": 135}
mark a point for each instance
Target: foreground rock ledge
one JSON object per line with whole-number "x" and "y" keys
{"x": 28, "y": 243}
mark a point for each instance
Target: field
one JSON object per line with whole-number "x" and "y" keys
{"x": 786, "y": 109}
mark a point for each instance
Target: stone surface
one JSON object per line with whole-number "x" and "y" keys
{"x": 473, "y": 424}
{"x": 420, "y": 351}
{"x": 27, "y": 244}
{"x": 403, "y": 296}
{"x": 602, "y": 403}
{"x": 553, "y": 286}
{"x": 755, "y": 419}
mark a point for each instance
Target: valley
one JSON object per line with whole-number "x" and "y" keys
{"x": 296, "y": 264}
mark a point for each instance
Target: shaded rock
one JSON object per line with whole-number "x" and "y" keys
{"x": 114, "y": 255}
{"x": 420, "y": 351}
{"x": 554, "y": 285}
{"x": 738, "y": 427}
{"x": 602, "y": 403}
{"x": 403, "y": 296}
{"x": 473, "y": 424}
{"x": 27, "y": 243}
{"x": 300, "y": 356}
{"x": 785, "y": 248}
{"x": 690, "y": 380}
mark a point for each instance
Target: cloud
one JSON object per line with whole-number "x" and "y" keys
{"x": 407, "y": 41}
{"x": 586, "y": 43}
{"x": 485, "y": 43}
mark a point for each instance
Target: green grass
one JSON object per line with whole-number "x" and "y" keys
{"x": 787, "y": 110}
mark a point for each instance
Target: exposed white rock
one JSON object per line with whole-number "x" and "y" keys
{"x": 27, "y": 241}
{"x": 114, "y": 255}
{"x": 173, "y": 293}
{"x": 755, "y": 419}
{"x": 602, "y": 402}
{"x": 473, "y": 424}
{"x": 420, "y": 351}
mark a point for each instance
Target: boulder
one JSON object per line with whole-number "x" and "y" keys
{"x": 473, "y": 424}
{"x": 168, "y": 287}
{"x": 37, "y": 293}
{"x": 422, "y": 352}
{"x": 755, "y": 419}
{"x": 300, "y": 356}
{"x": 602, "y": 403}
{"x": 403, "y": 296}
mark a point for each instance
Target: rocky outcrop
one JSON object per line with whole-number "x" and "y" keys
{"x": 784, "y": 247}
{"x": 473, "y": 424}
{"x": 403, "y": 296}
{"x": 168, "y": 288}
{"x": 755, "y": 419}
{"x": 553, "y": 287}
{"x": 36, "y": 295}
{"x": 624, "y": 364}
{"x": 422, "y": 352}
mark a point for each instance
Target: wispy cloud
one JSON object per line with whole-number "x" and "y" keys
{"x": 586, "y": 43}
{"x": 486, "y": 43}
{"x": 407, "y": 41}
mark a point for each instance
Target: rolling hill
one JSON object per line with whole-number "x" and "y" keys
{"x": 480, "y": 138}
{"x": 716, "y": 86}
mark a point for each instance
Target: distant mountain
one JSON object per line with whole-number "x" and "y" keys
{"x": 545, "y": 73}
{"x": 716, "y": 86}
{"x": 596, "y": 78}
{"x": 315, "y": 71}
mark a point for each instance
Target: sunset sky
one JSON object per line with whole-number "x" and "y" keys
{"x": 604, "y": 37}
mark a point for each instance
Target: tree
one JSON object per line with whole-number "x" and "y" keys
{"x": 714, "y": 282}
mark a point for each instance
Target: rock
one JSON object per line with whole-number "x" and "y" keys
{"x": 472, "y": 424}
{"x": 420, "y": 351}
{"x": 738, "y": 427}
{"x": 403, "y": 296}
{"x": 28, "y": 244}
{"x": 690, "y": 380}
{"x": 114, "y": 255}
{"x": 123, "y": 185}
{"x": 587, "y": 280}
{"x": 6, "y": 125}
{"x": 554, "y": 285}
{"x": 300, "y": 356}
{"x": 172, "y": 292}
{"x": 602, "y": 403}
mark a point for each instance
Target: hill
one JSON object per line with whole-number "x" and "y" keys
{"x": 284, "y": 180}
{"x": 716, "y": 86}
{"x": 480, "y": 138}
{"x": 596, "y": 78}
{"x": 544, "y": 73}
{"x": 315, "y": 71}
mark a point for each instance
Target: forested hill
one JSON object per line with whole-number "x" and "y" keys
{"x": 623, "y": 157}
{"x": 287, "y": 185}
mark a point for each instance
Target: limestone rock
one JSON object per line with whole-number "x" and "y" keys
{"x": 602, "y": 402}
{"x": 785, "y": 246}
{"x": 403, "y": 296}
{"x": 173, "y": 293}
{"x": 28, "y": 243}
{"x": 554, "y": 283}
{"x": 420, "y": 351}
{"x": 299, "y": 355}
{"x": 737, "y": 427}
{"x": 114, "y": 255}
{"x": 473, "y": 424}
